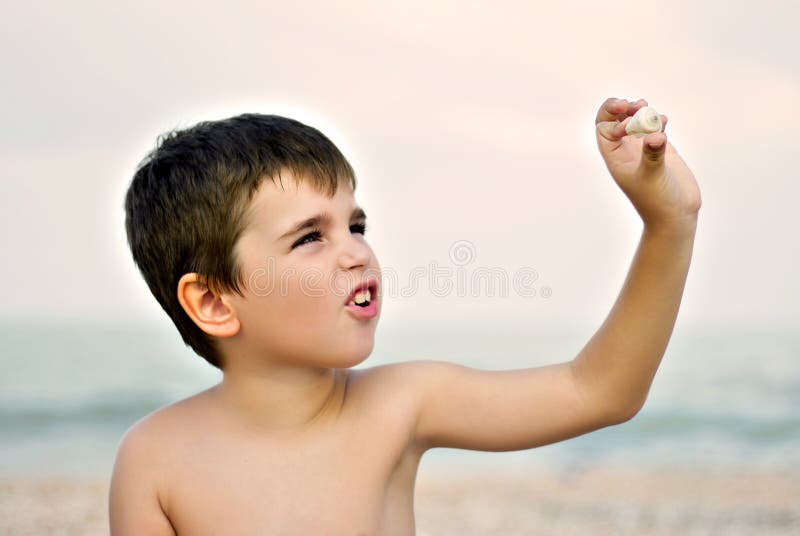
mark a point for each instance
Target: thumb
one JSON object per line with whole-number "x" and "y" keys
{"x": 653, "y": 149}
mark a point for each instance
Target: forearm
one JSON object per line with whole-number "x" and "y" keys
{"x": 616, "y": 367}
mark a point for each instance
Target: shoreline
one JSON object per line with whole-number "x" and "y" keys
{"x": 479, "y": 502}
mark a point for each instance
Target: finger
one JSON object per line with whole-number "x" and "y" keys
{"x": 611, "y": 110}
{"x": 636, "y": 106}
{"x": 653, "y": 149}
{"x": 664, "y": 120}
{"x": 611, "y": 130}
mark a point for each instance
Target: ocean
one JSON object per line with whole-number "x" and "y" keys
{"x": 722, "y": 399}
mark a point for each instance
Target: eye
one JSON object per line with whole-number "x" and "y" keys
{"x": 315, "y": 235}
{"x": 307, "y": 239}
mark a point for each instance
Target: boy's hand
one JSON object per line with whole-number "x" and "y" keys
{"x": 648, "y": 169}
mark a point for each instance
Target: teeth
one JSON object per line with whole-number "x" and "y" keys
{"x": 361, "y": 297}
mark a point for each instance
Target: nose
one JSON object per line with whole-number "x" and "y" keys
{"x": 355, "y": 252}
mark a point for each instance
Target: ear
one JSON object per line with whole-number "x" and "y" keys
{"x": 210, "y": 311}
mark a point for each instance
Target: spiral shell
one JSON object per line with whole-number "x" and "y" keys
{"x": 644, "y": 121}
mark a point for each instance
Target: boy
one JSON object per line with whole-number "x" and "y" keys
{"x": 247, "y": 232}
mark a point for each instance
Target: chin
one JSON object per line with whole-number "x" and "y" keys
{"x": 355, "y": 356}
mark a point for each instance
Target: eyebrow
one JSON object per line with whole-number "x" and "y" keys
{"x": 320, "y": 220}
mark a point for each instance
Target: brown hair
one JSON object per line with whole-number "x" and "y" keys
{"x": 186, "y": 206}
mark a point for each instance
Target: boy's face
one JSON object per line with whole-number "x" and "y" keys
{"x": 294, "y": 309}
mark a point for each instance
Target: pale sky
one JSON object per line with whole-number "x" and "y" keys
{"x": 464, "y": 121}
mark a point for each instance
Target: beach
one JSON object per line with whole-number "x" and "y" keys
{"x": 609, "y": 502}
{"x": 596, "y": 501}
{"x": 715, "y": 450}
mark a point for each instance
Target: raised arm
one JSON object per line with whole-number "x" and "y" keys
{"x": 619, "y": 362}
{"x": 608, "y": 381}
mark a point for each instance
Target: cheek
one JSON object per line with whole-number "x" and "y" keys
{"x": 307, "y": 305}
{"x": 303, "y": 298}
{"x": 288, "y": 321}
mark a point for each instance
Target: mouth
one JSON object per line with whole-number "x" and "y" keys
{"x": 363, "y": 301}
{"x": 363, "y": 295}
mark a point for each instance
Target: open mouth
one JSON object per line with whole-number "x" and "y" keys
{"x": 363, "y": 295}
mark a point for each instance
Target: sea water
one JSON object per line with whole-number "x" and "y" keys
{"x": 722, "y": 399}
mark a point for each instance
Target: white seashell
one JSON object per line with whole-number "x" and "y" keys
{"x": 644, "y": 121}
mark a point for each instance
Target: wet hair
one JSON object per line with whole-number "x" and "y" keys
{"x": 186, "y": 206}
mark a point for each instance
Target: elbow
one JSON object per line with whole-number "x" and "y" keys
{"x": 611, "y": 406}
{"x": 629, "y": 412}
{"x": 614, "y": 415}
{"x": 625, "y": 417}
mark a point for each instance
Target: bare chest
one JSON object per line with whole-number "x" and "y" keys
{"x": 348, "y": 481}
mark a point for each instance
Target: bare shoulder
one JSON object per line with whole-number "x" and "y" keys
{"x": 404, "y": 384}
{"x": 400, "y": 376}
{"x": 159, "y": 427}
{"x": 150, "y": 440}
{"x": 397, "y": 382}
{"x": 394, "y": 390}
{"x": 138, "y": 493}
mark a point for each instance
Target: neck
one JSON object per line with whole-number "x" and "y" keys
{"x": 281, "y": 398}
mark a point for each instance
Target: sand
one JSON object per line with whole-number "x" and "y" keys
{"x": 605, "y": 502}
{"x": 587, "y": 502}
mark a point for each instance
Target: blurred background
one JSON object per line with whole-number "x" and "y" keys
{"x": 470, "y": 126}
